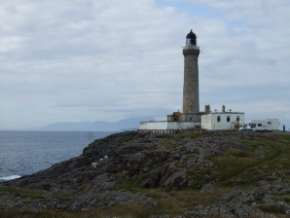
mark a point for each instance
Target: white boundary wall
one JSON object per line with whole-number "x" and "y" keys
{"x": 153, "y": 125}
{"x": 164, "y": 125}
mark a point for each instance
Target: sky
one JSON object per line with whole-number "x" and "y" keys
{"x": 87, "y": 60}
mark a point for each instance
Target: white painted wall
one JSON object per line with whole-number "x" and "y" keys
{"x": 154, "y": 125}
{"x": 206, "y": 121}
{"x": 164, "y": 125}
{"x": 182, "y": 125}
{"x": 210, "y": 121}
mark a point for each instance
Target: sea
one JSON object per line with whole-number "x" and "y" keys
{"x": 26, "y": 152}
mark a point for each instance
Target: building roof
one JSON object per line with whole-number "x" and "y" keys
{"x": 225, "y": 113}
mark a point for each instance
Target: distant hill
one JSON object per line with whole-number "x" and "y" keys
{"x": 126, "y": 124}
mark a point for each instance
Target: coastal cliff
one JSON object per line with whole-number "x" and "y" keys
{"x": 187, "y": 174}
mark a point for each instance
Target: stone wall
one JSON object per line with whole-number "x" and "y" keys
{"x": 191, "y": 80}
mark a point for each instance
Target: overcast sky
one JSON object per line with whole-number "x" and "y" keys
{"x": 88, "y": 60}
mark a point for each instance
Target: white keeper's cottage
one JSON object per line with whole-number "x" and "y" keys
{"x": 224, "y": 120}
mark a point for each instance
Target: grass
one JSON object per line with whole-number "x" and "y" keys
{"x": 173, "y": 141}
{"x": 262, "y": 156}
{"x": 273, "y": 209}
{"x": 170, "y": 202}
{"x": 198, "y": 178}
{"x": 129, "y": 185}
{"x": 21, "y": 192}
{"x": 30, "y": 194}
{"x": 117, "y": 212}
{"x": 282, "y": 197}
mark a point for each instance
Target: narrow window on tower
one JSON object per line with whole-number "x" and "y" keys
{"x": 238, "y": 119}
{"x": 228, "y": 119}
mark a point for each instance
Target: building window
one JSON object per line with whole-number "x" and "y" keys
{"x": 219, "y": 119}
{"x": 259, "y": 125}
{"x": 252, "y": 125}
{"x": 228, "y": 119}
{"x": 269, "y": 123}
{"x": 238, "y": 119}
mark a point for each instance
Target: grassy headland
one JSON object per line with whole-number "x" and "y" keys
{"x": 189, "y": 174}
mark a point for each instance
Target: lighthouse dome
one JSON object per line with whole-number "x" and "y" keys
{"x": 191, "y": 35}
{"x": 191, "y": 39}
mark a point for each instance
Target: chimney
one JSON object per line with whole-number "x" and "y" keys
{"x": 207, "y": 109}
{"x": 224, "y": 109}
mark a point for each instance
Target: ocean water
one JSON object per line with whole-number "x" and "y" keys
{"x": 24, "y": 153}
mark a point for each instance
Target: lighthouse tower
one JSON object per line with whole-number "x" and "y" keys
{"x": 191, "y": 78}
{"x": 191, "y": 117}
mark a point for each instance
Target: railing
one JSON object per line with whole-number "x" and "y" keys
{"x": 191, "y": 46}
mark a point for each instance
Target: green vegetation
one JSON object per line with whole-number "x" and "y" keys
{"x": 273, "y": 209}
{"x": 32, "y": 194}
{"x": 171, "y": 202}
{"x": 198, "y": 178}
{"x": 120, "y": 211}
{"x": 260, "y": 158}
{"x": 24, "y": 193}
{"x": 115, "y": 212}
{"x": 173, "y": 141}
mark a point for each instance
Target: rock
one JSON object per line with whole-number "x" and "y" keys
{"x": 210, "y": 187}
{"x": 95, "y": 164}
{"x": 177, "y": 180}
{"x": 109, "y": 199}
{"x": 158, "y": 173}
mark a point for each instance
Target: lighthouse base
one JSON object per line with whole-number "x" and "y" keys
{"x": 175, "y": 121}
{"x": 185, "y": 117}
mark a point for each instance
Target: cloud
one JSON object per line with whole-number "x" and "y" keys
{"x": 106, "y": 60}
{"x": 113, "y": 55}
{"x": 246, "y": 55}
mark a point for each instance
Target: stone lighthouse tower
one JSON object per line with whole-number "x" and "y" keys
{"x": 191, "y": 79}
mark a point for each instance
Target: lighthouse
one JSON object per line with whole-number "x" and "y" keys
{"x": 191, "y": 117}
{"x": 191, "y": 75}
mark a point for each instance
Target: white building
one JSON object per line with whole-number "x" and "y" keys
{"x": 265, "y": 125}
{"x": 222, "y": 120}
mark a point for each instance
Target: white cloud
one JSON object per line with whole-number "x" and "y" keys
{"x": 253, "y": 42}
{"x": 102, "y": 56}
{"x": 93, "y": 60}
{"x": 247, "y": 54}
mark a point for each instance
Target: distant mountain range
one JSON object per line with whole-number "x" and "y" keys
{"x": 126, "y": 124}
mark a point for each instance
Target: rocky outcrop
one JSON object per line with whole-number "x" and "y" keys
{"x": 205, "y": 173}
